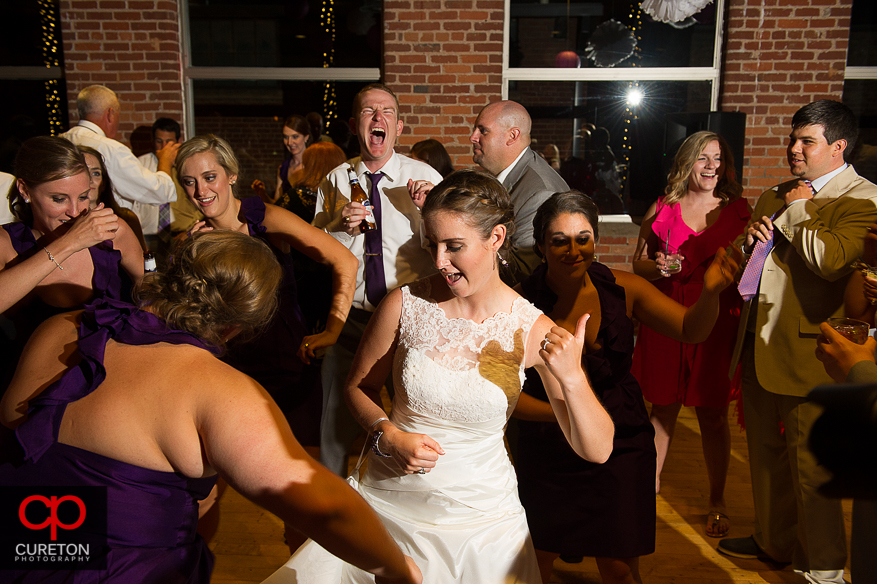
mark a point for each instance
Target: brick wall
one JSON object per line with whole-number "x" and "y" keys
{"x": 780, "y": 55}
{"x": 132, "y": 47}
{"x": 444, "y": 60}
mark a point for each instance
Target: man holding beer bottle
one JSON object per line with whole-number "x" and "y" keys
{"x": 390, "y": 254}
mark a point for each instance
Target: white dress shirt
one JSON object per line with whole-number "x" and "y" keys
{"x": 508, "y": 169}
{"x": 405, "y": 258}
{"x": 132, "y": 182}
{"x": 6, "y": 215}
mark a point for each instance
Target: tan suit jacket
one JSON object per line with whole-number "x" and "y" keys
{"x": 804, "y": 277}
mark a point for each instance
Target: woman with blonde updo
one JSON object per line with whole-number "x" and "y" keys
{"x": 458, "y": 342}
{"x": 134, "y": 400}
{"x": 207, "y": 170}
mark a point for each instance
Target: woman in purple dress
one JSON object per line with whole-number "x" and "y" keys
{"x": 135, "y": 402}
{"x": 59, "y": 254}
{"x": 296, "y": 137}
{"x": 280, "y": 359}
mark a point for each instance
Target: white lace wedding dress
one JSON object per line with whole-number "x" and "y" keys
{"x": 456, "y": 381}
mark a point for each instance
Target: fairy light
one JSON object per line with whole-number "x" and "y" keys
{"x": 51, "y": 51}
{"x": 327, "y": 20}
{"x": 634, "y": 94}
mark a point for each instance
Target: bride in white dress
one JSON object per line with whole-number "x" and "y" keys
{"x": 458, "y": 342}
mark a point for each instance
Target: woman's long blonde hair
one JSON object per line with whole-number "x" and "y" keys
{"x": 727, "y": 189}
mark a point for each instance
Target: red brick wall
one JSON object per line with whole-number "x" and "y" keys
{"x": 780, "y": 55}
{"x": 132, "y": 47}
{"x": 444, "y": 60}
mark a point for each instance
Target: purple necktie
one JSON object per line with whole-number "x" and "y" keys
{"x": 164, "y": 222}
{"x": 375, "y": 282}
{"x": 748, "y": 286}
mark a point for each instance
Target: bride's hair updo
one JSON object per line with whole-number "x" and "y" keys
{"x": 478, "y": 197}
{"x": 215, "y": 281}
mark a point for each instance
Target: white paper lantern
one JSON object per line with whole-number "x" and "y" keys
{"x": 672, "y": 10}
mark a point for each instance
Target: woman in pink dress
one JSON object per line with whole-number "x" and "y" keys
{"x": 701, "y": 211}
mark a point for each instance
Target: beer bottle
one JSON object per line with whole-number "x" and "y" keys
{"x": 148, "y": 261}
{"x": 358, "y": 195}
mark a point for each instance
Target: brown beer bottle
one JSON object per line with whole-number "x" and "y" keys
{"x": 358, "y": 195}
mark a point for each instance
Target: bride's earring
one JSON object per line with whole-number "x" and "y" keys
{"x": 502, "y": 260}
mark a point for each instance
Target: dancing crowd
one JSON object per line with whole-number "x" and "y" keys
{"x": 167, "y": 333}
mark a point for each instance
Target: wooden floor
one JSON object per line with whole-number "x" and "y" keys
{"x": 249, "y": 545}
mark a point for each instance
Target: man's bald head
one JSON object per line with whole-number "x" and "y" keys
{"x": 501, "y": 132}
{"x": 99, "y": 105}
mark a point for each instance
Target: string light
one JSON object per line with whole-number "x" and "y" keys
{"x": 633, "y": 89}
{"x": 51, "y": 50}
{"x": 327, "y": 20}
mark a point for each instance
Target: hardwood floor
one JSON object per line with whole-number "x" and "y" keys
{"x": 249, "y": 544}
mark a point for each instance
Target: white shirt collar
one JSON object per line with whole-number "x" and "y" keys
{"x": 93, "y": 127}
{"x": 502, "y": 176}
{"x": 823, "y": 180}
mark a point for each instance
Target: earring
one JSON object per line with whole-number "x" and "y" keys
{"x": 502, "y": 260}
{"x": 231, "y": 182}
{"x": 27, "y": 201}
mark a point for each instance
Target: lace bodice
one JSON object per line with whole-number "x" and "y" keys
{"x": 457, "y": 369}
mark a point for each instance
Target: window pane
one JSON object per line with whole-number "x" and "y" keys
{"x": 540, "y": 31}
{"x": 619, "y": 160}
{"x": 284, "y": 33}
{"x": 863, "y": 30}
{"x": 859, "y": 96}
{"x": 250, "y": 114}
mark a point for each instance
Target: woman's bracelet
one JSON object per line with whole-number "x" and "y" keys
{"x": 51, "y": 257}
{"x": 376, "y": 422}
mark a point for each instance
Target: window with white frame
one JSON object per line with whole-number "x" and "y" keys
{"x": 600, "y": 79}
{"x": 247, "y": 66}
{"x": 860, "y": 85}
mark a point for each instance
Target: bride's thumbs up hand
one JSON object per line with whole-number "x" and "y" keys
{"x": 562, "y": 350}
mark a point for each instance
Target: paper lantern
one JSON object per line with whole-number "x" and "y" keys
{"x": 567, "y": 60}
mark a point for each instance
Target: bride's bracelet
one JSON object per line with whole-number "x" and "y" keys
{"x": 376, "y": 422}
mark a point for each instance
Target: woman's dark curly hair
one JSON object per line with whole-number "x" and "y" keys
{"x": 215, "y": 281}
{"x": 569, "y": 202}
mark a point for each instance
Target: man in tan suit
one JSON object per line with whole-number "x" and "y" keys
{"x": 817, "y": 234}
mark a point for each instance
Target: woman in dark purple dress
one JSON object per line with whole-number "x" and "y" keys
{"x": 135, "y": 402}
{"x": 207, "y": 170}
{"x": 58, "y": 255}
{"x": 575, "y": 507}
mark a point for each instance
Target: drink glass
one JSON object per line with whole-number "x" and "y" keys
{"x": 854, "y": 330}
{"x": 672, "y": 259}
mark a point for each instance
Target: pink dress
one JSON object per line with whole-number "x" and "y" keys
{"x": 692, "y": 374}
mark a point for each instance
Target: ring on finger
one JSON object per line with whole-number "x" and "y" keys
{"x": 421, "y": 471}
{"x": 545, "y": 343}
